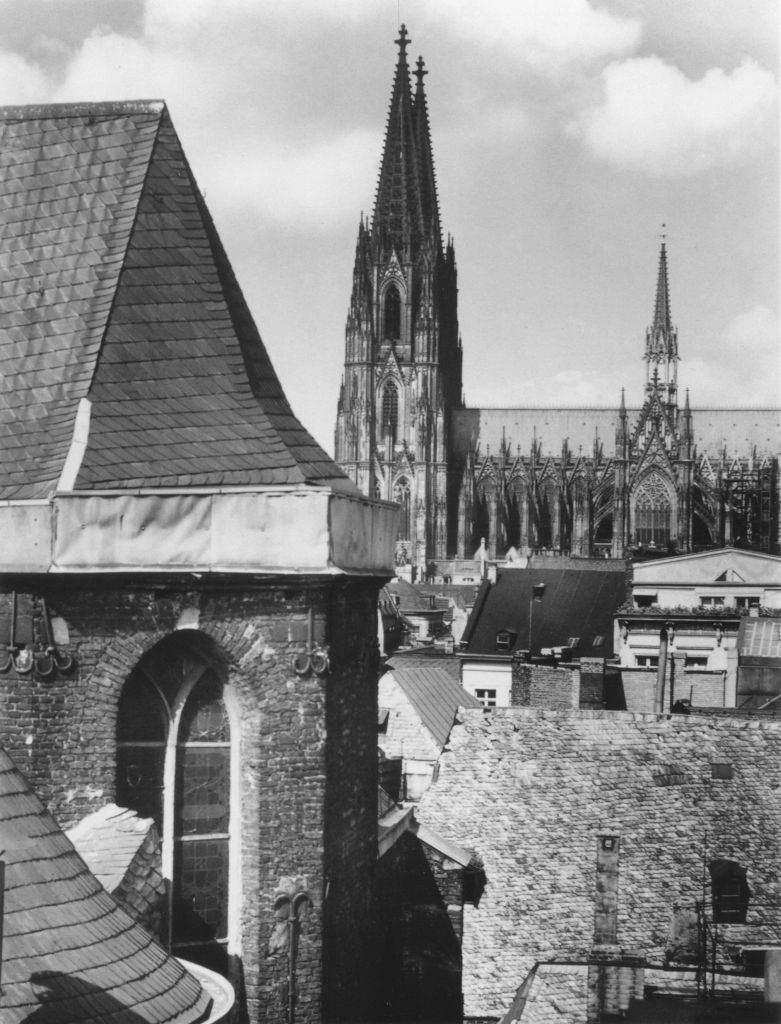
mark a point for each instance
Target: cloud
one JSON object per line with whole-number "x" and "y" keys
{"x": 653, "y": 118}
{"x": 21, "y": 82}
{"x": 547, "y": 37}
{"x": 313, "y": 183}
{"x": 749, "y": 340}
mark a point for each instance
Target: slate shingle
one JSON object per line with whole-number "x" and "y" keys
{"x": 115, "y": 287}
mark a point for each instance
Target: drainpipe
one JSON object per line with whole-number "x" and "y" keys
{"x": 660, "y": 672}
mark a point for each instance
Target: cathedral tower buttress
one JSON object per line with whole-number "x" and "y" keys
{"x": 402, "y": 369}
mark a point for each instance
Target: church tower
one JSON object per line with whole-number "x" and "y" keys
{"x": 402, "y": 367}
{"x": 654, "y": 460}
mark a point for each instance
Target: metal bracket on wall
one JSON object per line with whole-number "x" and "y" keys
{"x": 315, "y": 658}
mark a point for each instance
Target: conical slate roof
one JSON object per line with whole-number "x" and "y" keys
{"x": 128, "y": 356}
{"x": 70, "y": 954}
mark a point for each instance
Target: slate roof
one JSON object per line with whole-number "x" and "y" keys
{"x": 115, "y": 289}
{"x": 71, "y": 955}
{"x": 532, "y": 791}
{"x": 436, "y": 697}
{"x": 428, "y": 656}
{"x": 108, "y": 841}
{"x": 576, "y": 603}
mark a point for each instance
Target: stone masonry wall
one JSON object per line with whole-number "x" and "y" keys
{"x": 533, "y": 790}
{"x": 308, "y": 750}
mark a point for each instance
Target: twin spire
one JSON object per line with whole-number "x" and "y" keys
{"x": 406, "y": 208}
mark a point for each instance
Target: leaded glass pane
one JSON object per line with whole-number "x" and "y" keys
{"x": 205, "y": 718}
{"x": 202, "y": 790}
{"x": 200, "y": 907}
{"x": 140, "y": 780}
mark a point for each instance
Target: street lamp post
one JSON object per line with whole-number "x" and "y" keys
{"x": 537, "y": 591}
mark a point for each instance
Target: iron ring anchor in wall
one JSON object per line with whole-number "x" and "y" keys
{"x": 314, "y": 660}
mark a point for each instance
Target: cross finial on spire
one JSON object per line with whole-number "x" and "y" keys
{"x": 403, "y": 42}
{"x": 663, "y": 233}
{"x": 420, "y": 71}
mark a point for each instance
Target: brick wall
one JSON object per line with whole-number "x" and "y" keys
{"x": 544, "y": 686}
{"x": 308, "y": 756}
{"x": 532, "y": 790}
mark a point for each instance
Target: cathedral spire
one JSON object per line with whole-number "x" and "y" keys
{"x": 661, "y": 339}
{"x": 398, "y": 209}
{"x": 428, "y": 180}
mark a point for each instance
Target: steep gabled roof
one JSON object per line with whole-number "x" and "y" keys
{"x": 436, "y": 697}
{"x": 576, "y": 603}
{"x": 128, "y": 356}
{"x": 70, "y": 954}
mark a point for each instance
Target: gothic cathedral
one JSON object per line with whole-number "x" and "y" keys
{"x": 621, "y": 482}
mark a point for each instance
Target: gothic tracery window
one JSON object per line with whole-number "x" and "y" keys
{"x": 401, "y": 495}
{"x": 653, "y": 513}
{"x": 174, "y": 765}
{"x": 390, "y": 410}
{"x": 392, "y": 313}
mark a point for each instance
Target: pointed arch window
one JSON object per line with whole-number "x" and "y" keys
{"x": 175, "y": 764}
{"x": 392, "y": 314}
{"x": 390, "y": 411}
{"x": 402, "y": 496}
{"x": 653, "y": 513}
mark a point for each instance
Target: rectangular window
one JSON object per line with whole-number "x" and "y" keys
{"x": 721, "y": 770}
{"x": 598, "y": 641}
{"x": 711, "y": 602}
{"x": 573, "y": 642}
{"x": 696, "y": 661}
{"x": 647, "y": 660}
{"x": 747, "y": 602}
{"x": 646, "y": 600}
{"x": 486, "y": 697}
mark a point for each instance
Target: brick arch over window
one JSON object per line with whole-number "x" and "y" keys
{"x": 177, "y": 736}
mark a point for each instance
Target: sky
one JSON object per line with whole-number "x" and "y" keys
{"x": 568, "y": 136}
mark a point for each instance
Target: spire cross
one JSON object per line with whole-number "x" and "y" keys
{"x": 403, "y": 42}
{"x": 420, "y": 71}
{"x": 663, "y": 233}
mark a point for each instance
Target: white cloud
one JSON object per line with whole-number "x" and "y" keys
{"x": 747, "y": 354}
{"x": 542, "y": 35}
{"x": 655, "y": 119}
{"x": 317, "y": 184}
{"x": 21, "y": 82}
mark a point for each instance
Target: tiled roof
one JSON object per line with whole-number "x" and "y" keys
{"x": 115, "y": 289}
{"x": 70, "y": 954}
{"x": 429, "y": 656}
{"x": 532, "y": 791}
{"x": 576, "y": 603}
{"x": 436, "y": 697}
{"x": 551, "y": 993}
{"x": 759, "y": 638}
{"x": 108, "y": 841}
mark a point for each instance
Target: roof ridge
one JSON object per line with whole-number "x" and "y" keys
{"x": 33, "y": 111}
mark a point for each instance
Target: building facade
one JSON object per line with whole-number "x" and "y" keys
{"x": 664, "y": 478}
{"x": 188, "y": 583}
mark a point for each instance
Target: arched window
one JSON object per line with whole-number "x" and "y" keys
{"x": 390, "y": 411}
{"x": 174, "y": 764}
{"x": 392, "y": 314}
{"x": 653, "y": 513}
{"x": 401, "y": 495}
